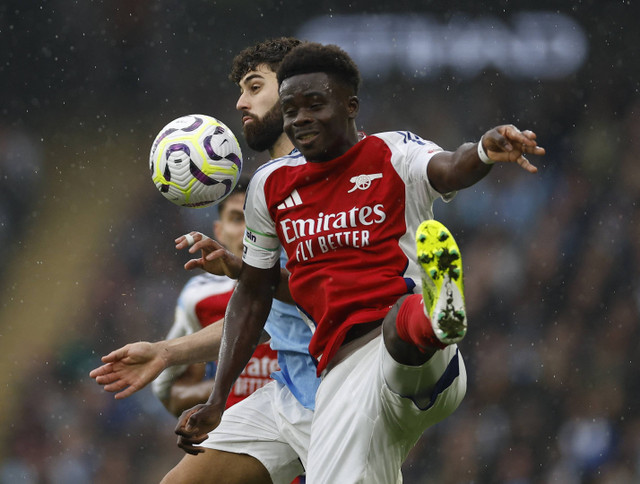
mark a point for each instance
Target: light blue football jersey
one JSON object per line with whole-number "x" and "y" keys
{"x": 290, "y": 337}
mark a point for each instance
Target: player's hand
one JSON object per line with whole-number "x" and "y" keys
{"x": 507, "y": 144}
{"x": 215, "y": 258}
{"x": 130, "y": 368}
{"x": 194, "y": 426}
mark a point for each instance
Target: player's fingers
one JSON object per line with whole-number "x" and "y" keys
{"x": 116, "y": 386}
{"x": 189, "y": 448}
{"x": 513, "y": 139}
{"x": 216, "y": 254}
{"x": 184, "y": 421}
{"x": 188, "y": 442}
{"x": 100, "y": 371}
{"x": 116, "y": 355}
{"x": 524, "y": 163}
{"x": 193, "y": 438}
{"x": 187, "y": 240}
{"x": 181, "y": 242}
{"x": 193, "y": 264}
{"x": 205, "y": 244}
{"x": 106, "y": 379}
{"x": 127, "y": 392}
{"x": 537, "y": 150}
{"x": 526, "y": 138}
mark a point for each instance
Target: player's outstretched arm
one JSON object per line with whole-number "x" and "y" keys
{"x": 454, "y": 170}
{"x": 132, "y": 367}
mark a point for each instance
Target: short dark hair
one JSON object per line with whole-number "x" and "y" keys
{"x": 314, "y": 57}
{"x": 270, "y": 52}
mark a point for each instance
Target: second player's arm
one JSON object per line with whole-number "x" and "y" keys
{"x": 135, "y": 365}
{"x": 201, "y": 346}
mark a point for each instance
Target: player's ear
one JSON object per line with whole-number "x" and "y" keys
{"x": 353, "y": 106}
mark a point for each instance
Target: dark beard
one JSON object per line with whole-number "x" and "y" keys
{"x": 263, "y": 133}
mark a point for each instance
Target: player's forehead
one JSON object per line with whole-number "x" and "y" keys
{"x": 262, "y": 72}
{"x": 314, "y": 83}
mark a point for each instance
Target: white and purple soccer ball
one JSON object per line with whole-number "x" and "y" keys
{"x": 195, "y": 161}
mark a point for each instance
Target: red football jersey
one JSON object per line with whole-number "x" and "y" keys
{"x": 347, "y": 226}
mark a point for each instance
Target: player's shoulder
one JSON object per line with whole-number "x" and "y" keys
{"x": 405, "y": 140}
{"x": 398, "y": 136}
{"x": 295, "y": 158}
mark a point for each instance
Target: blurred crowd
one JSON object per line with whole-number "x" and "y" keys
{"x": 552, "y": 264}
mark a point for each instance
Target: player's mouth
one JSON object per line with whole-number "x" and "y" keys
{"x": 305, "y": 139}
{"x": 247, "y": 118}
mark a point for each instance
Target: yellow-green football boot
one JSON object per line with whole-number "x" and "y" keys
{"x": 442, "y": 282}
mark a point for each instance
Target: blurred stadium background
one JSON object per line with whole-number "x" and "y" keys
{"x": 552, "y": 261}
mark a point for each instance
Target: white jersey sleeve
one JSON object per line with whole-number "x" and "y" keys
{"x": 261, "y": 244}
{"x": 411, "y": 156}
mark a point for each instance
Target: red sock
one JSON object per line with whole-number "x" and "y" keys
{"x": 414, "y": 326}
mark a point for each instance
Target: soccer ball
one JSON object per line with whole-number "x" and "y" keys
{"x": 195, "y": 161}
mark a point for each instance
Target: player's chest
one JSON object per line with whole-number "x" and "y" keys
{"x": 346, "y": 207}
{"x": 362, "y": 181}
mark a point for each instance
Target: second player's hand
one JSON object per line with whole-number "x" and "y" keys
{"x": 194, "y": 426}
{"x": 215, "y": 258}
{"x": 508, "y": 144}
{"x": 130, "y": 368}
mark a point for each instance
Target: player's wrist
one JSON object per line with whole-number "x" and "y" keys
{"x": 166, "y": 353}
{"x": 216, "y": 401}
{"x": 482, "y": 154}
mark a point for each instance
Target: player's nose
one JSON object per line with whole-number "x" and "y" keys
{"x": 243, "y": 103}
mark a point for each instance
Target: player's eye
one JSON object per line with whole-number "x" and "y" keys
{"x": 289, "y": 112}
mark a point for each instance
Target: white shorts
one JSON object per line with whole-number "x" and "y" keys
{"x": 270, "y": 425}
{"x": 362, "y": 430}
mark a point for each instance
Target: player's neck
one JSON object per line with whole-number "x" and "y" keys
{"x": 281, "y": 147}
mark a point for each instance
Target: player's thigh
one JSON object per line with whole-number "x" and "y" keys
{"x": 218, "y": 467}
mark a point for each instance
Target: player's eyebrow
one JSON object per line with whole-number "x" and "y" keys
{"x": 251, "y": 77}
{"x": 305, "y": 95}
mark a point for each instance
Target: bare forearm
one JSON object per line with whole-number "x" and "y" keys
{"x": 465, "y": 169}
{"x": 203, "y": 345}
